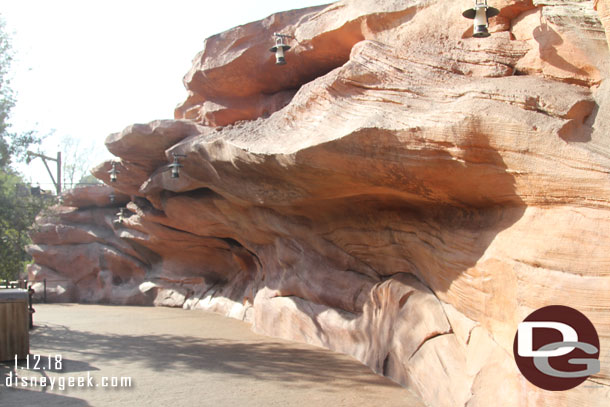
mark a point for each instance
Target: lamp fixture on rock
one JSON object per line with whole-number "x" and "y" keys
{"x": 121, "y": 215}
{"x": 113, "y": 172}
{"x": 481, "y": 13}
{"x": 175, "y": 166}
{"x": 280, "y": 48}
{"x": 112, "y": 197}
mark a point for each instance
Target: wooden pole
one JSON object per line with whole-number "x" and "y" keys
{"x": 58, "y": 173}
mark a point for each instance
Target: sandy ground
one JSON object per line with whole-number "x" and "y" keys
{"x": 177, "y": 357}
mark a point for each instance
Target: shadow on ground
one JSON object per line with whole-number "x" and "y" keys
{"x": 262, "y": 361}
{"x": 16, "y": 396}
{"x": 28, "y": 398}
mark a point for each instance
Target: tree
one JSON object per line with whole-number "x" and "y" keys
{"x": 18, "y": 210}
{"x": 18, "y": 207}
{"x": 89, "y": 180}
{"x": 76, "y": 161}
{"x": 6, "y": 95}
{"x": 11, "y": 144}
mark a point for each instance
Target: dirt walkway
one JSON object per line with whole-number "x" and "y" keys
{"x": 175, "y": 358}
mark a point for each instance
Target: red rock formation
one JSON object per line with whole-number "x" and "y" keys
{"x": 399, "y": 191}
{"x": 603, "y": 8}
{"x": 93, "y": 196}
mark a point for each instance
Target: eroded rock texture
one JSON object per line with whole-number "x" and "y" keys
{"x": 400, "y": 191}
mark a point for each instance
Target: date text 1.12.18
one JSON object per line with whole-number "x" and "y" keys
{"x": 37, "y": 362}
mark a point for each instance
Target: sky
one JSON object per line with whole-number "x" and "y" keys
{"x": 86, "y": 69}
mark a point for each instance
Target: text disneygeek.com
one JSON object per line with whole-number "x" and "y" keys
{"x": 62, "y": 383}
{"x": 31, "y": 372}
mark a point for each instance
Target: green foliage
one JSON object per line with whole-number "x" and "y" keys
{"x": 89, "y": 180}
{"x": 18, "y": 208}
{"x": 7, "y": 100}
{"x": 12, "y": 145}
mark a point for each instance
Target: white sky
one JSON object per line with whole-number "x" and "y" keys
{"x": 86, "y": 69}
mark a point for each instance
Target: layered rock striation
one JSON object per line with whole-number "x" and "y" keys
{"x": 399, "y": 191}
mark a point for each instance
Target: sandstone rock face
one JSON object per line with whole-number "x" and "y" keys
{"x": 79, "y": 256}
{"x": 603, "y": 8}
{"x": 93, "y": 196}
{"x": 399, "y": 191}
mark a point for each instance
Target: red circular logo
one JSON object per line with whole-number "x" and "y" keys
{"x": 556, "y": 348}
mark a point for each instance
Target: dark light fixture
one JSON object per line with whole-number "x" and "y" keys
{"x": 280, "y": 48}
{"x": 121, "y": 215}
{"x": 113, "y": 172}
{"x": 481, "y": 13}
{"x": 112, "y": 197}
{"x": 175, "y": 165}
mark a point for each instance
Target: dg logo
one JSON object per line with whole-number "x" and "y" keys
{"x": 556, "y": 348}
